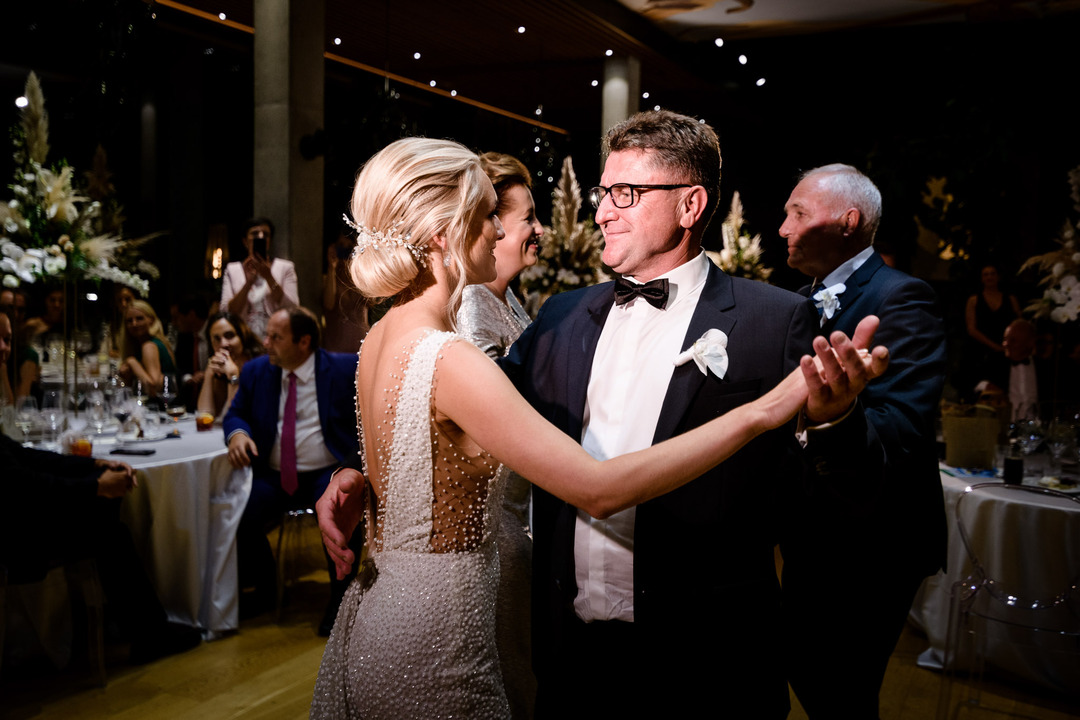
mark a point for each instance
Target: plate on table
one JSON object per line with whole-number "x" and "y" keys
{"x": 1062, "y": 485}
{"x": 133, "y": 437}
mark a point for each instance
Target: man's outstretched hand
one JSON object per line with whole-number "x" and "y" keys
{"x": 838, "y": 375}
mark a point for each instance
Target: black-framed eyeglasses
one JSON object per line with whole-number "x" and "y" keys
{"x": 624, "y": 195}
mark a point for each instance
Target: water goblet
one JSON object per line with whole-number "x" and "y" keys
{"x": 52, "y": 411}
{"x": 97, "y": 410}
{"x": 26, "y": 415}
{"x": 1060, "y": 435}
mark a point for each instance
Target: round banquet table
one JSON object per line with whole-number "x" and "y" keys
{"x": 183, "y": 517}
{"x": 1018, "y": 513}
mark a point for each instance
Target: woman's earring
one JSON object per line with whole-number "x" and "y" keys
{"x": 446, "y": 260}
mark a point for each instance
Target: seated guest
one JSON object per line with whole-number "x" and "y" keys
{"x": 80, "y": 497}
{"x": 292, "y": 420}
{"x": 51, "y": 320}
{"x": 123, "y": 296}
{"x": 233, "y": 345}
{"x": 259, "y": 285}
{"x": 192, "y": 349}
{"x": 1021, "y": 385}
{"x": 147, "y": 355}
{"x": 345, "y": 310}
{"x": 23, "y": 366}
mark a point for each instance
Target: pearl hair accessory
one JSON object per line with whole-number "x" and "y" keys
{"x": 368, "y": 238}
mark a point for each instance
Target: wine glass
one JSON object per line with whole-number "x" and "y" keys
{"x": 26, "y": 415}
{"x": 170, "y": 391}
{"x": 97, "y": 410}
{"x": 52, "y": 411}
{"x": 121, "y": 406}
{"x": 1060, "y": 435}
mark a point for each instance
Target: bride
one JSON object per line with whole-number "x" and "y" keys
{"x": 415, "y": 634}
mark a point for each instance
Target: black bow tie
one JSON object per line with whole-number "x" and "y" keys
{"x": 654, "y": 292}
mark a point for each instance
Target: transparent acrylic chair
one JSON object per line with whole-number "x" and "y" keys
{"x": 1017, "y": 613}
{"x": 296, "y": 552}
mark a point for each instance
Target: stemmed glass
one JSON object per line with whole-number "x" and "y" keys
{"x": 170, "y": 391}
{"x": 26, "y": 415}
{"x": 97, "y": 410}
{"x": 52, "y": 411}
{"x": 1030, "y": 435}
{"x": 1060, "y": 436}
{"x": 121, "y": 406}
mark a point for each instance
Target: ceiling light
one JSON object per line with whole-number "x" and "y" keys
{"x": 221, "y": 16}
{"x": 337, "y": 41}
{"x": 760, "y": 82}
{"x": 416, "y": 56}
{"x": 609, "y": 53}
{"x": 595, "y": 83}
{"x": 92, "y": 297}
{"x": 21, "y": 101}
{"x": 521, "y": 29}
{"x": 432, "y": 83}
{"x": 453, "y": 93}
{"x": 644, "y": 96}
{"x": 719, "y": 42}
{"x": 656, "y": 107}
{"x": 742, "y": 59}
{"x": 536, "y": 149}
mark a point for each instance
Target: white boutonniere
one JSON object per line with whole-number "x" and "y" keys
{"x": 827, "y": 302}
{"x": 709, "y": 352}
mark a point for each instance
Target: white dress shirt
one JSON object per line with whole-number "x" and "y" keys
{"x": 311, "y": 450}
{"x": 631, "y": 372}
{"x": 1023, "y": 389}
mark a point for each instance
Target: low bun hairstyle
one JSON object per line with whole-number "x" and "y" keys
{"x": 421, "y": 188}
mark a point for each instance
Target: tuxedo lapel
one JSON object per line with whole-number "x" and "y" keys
{"x": 686, "y": 380}
{"x": 580, "y": 350}
{"x": 854, "y": 287}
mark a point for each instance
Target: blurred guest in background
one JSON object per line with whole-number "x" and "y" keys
{"x": 147, "y": 355}
{"x": 491, "y": 317}
{"x": 987, "y": 314}
{"x": 233, "y": 344}
{"x": 192, "y": 349}
{"x": 345, "y": 310}
{"x": 260, "y": 285}
{"x": 51, "y": 320}
{"x": 893, "y": 518}
{"x": 23, "y": 365}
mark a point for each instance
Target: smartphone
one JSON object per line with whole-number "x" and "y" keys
{"x": 260, "y": 246}
{"x": 132, "y": 451}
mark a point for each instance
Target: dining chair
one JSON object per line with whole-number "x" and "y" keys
{"x": 292, "y": 549}
{"x": 1022, "y": 590}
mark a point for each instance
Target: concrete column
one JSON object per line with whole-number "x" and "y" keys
{"x": 622, "y": 89}
{"x": 289, "y": 89}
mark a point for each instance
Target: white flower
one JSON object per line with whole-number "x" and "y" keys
{"x": 827, "y": 301}
{"x": 8, "y": 265}
{"x": 709, "y": 352}
{"x": 29, "y": 266}
{"x": 10, "y": 281}
{"x": 55, "y": 265}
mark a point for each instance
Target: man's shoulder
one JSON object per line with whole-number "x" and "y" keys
{"x": 755, "y": 291}
{"x": 337, "y": 360}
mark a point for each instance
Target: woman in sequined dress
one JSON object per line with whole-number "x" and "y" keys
{"x": 491, "y": 317}
{"x": 415, "y": 634}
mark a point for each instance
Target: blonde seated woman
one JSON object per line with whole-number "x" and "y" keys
{"x": 144, "y": 347}
{"x": 415, "y": 634}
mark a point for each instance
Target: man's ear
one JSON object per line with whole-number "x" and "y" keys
{"x": 693, "y": 207}
{"x": 850, "y": 221}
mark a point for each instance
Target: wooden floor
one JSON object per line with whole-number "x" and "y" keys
{"x": 266, "y": 671}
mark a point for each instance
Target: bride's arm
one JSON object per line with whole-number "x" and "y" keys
{"x": 504, "y": 424}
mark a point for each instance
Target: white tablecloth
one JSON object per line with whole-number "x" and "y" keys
{"x": 184, "y": 516}
{"x": 1020, "y": 513}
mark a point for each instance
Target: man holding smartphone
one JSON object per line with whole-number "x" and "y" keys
{"x": 260, "y": 285}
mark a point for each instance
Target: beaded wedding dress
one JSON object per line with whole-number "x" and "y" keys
{"x": 418, "y": 640}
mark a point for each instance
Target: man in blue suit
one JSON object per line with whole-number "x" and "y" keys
{"x": 855, "y": 554}
{"x": 293, "y": 420}
{"x": 670, "y": 608}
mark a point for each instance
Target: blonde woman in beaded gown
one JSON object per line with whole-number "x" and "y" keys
{"x": 492, "y": 318}
{"x": 415, "y": 634}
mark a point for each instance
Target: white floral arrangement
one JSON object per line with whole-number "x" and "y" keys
{"x": 570, "y": 251}
{"x": 741, "y": 256}
{"x": 49, "y": 230}
{"x": 1061, "y": 295}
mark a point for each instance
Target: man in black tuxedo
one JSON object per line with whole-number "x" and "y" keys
{"x": 671, "y": 607}
{"x": 855, "y": 554}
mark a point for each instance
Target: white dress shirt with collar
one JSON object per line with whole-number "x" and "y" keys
{"x": 311, "y": 450}
{"x": 631, "y": 372}
{"x": 847, "y": 268}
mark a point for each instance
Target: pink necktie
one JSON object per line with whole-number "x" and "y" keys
{"x": 288, "y": 439}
